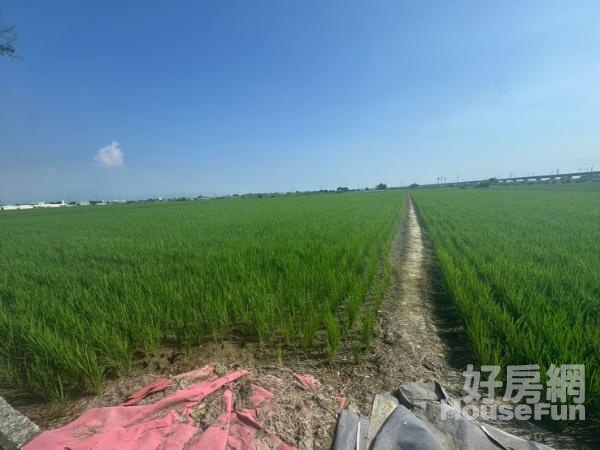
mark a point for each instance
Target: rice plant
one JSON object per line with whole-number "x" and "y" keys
{"x": 523, "y": 267}
{"x": 84, "y": 291}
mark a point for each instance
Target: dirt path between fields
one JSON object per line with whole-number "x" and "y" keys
{"x": 412, "y": 347}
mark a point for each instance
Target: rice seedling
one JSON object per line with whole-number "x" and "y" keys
{"x": 523, "y": 267}
{"x": 83, "y": 291}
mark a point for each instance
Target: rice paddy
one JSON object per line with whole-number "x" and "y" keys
{"x": 523, "y": 267}
{"x": 84, "y": 291}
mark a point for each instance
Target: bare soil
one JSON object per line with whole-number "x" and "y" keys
{"x": 411, "y": 346}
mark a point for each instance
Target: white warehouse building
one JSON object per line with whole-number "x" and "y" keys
{"x": 35, "y": 205}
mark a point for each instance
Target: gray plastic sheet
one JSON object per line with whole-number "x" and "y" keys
{"x": 416, "y": 424}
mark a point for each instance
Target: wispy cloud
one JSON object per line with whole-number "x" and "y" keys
{"x": 110, "y": 156}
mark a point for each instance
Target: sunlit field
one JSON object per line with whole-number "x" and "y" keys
{"x": 84, "y": 291}
{"x": 523, "y": 267}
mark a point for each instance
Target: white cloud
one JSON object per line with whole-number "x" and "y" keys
{"x": 110, "y": 156}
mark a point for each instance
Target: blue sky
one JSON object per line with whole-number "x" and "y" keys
{"x": 238, "y": 96}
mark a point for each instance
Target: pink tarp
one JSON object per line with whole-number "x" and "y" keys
{"x": 235, "y": 430}
{"x": 157, "y": 386}
{"x": 307, "y": 381}
{"x": 167, "y": 424}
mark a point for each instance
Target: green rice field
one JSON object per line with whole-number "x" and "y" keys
{"x": 523, "y": 267}
{"x": 83, "y": 291}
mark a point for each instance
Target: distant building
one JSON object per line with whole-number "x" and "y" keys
{"x": 49, "y": 205}
{"x": 15, "y": 207}
{"x": 35, "y": 205}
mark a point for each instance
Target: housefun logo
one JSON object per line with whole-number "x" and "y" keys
{"x": 564, "y": 394}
